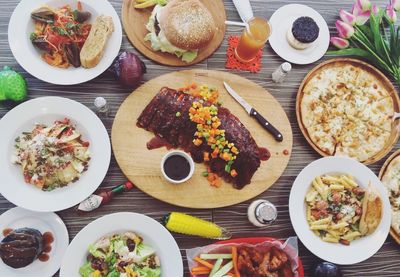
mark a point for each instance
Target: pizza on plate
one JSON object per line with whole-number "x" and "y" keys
{"x": 347, "y": 111}
{"x": 391, "y": 180}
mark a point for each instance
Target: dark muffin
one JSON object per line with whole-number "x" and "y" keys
{"x": 21, "y": 247}
{"x": 303, "y": 33}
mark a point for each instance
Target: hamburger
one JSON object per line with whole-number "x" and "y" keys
{"x": 181, "y": 27}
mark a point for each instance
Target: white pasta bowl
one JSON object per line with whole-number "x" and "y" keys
{"x": 46, "y": 110}
{"x": 153, "y": 233}
{"x": 359, "y": 249}
{"x": 21, "y": 26}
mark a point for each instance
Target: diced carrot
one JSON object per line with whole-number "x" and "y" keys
{"x": 197, "y": 142}
{"x": 234, "y": 150}
{"x": 216, "y": 151}
{"x": 226, "y": 156}
{"x": 203, "y": 262}
{"x": 206, "y": 156}
{"x": 234, "y": 173}
{"x": 193, "y": 85}
{"x": 217, "y": 182}
{"x": 234, "y": 260}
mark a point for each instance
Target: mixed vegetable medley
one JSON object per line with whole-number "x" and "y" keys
{"x": 121, "y": 255}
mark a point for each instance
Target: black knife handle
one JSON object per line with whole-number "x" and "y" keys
{"x": 266, "y": 125}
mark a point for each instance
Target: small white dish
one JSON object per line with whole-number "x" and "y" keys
{"x": 182, "y": 154}
{"x": 21, "y": 25}
{"x": 44, "y": 222}
{"x": 46, "y": 110}
{"x": 359, "y": 249}
{"x": 282, "y": 20}
{"x": 152, "y": 232}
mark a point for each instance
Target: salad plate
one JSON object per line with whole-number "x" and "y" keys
{"x": 282, "y": 20}
{"x": 153, "y": 235}
{"x": 21, "y": 26}
{"x": 47, "y": 110}
{"x": 43, "y": 222}
{"x": 358, "y": 250}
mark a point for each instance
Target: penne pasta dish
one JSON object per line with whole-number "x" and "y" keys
{"x": 337, "y": 209}
{"x": 52, "y": 156}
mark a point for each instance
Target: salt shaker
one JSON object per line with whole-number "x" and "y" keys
{"x": 281, "y": 72}
{"x": 262, "y": 213}
{"x": 101, "y": 106}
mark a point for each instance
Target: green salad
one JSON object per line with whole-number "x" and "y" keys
{"x": 121, "y": 255}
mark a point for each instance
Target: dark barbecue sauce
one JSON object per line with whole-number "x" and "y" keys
{"x": 177, "y": 167}
{"x": 7, "y": 231}
{"x": 48, "y": 239}
{"x": 158, "y": 142}
{"x": 264, "y": 153}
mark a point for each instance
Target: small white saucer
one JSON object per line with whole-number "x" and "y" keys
{"x": 282, "y": 20}
{"x": 44, "y": 222}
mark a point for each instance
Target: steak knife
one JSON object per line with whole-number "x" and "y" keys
{"x": 252, "y": 112}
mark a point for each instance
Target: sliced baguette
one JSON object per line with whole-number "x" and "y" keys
{"x": 372, "y": 211}
{"x": 93, "y": 49}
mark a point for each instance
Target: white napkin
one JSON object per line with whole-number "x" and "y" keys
{"x": 244, "y": 9}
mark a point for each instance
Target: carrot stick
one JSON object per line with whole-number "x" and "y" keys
{"x": 234, "y": 260}
{"x": 202, "y": 262}
{"x": 200, "y": 268}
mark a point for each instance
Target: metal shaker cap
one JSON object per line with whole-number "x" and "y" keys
{"x": 286, "y": 67}
{"x": 266, "y": 212}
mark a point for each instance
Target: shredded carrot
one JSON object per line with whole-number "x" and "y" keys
{"x": 234, "y": 260}
{"x": 203, "y": 262}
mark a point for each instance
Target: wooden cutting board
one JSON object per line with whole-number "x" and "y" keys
{"x": 135, "y": 20}
{"x": 142, "y": 166}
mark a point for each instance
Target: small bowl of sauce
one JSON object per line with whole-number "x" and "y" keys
{"x": 177, "y": 167}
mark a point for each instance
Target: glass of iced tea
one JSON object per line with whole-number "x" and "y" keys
{"x": 253, "y": 38}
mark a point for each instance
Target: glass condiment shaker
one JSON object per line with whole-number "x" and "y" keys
{"x": 101, "y": 107}
{"x": 281, "y": 72}
{"x": 262, "y": 213}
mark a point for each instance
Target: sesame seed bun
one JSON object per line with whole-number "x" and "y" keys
{"x": 187, "y": 24}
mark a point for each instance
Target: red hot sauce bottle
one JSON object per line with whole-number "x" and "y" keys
{"x": 102, "y": 196}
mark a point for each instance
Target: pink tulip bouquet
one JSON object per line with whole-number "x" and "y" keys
{"x": 370, "y": 32}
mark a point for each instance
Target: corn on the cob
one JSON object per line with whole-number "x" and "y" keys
{"x": 190, "y": 225}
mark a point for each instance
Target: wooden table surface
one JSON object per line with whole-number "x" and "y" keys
{"x": 383, "y": 263}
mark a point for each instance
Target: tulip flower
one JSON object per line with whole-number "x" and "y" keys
{"x": 345, "y": 30}
{"x": 375, "y": 9}
{"x": 365, "y": 5}
{"x": 340, "y": 43}
{"x": 395, "y": 4}
{"x": 361, "y": 16}
{"x": 391, "y": 14}
{"x": 347, "y": 17}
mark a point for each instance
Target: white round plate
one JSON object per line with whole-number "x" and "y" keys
{"x": 152, "y": 232}
{"x": 282, "y": 20}
{"x": 46, "y": 110}
{"x": 44, "y": 222}
{"x": 21, "y": 26}
{"x": 359, "y": 249}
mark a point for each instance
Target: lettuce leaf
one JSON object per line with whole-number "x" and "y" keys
{"x": 86, "y": 270}
{"x": 149, "y": 272}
